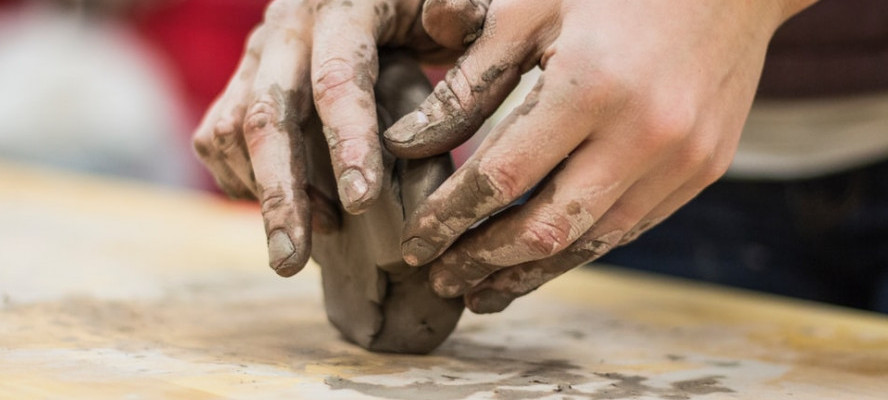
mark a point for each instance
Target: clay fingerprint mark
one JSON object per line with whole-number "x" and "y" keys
{"x": 632, "y": 386}
{"x": 558, "y": 375}
{"x": 536, "y": 380}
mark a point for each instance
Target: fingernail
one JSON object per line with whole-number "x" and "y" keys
{"x": 488, "y": 301}
{"x": 418, "y": 251}
{"x": 281, "y": 250}
{"x": 446, "y": 285}
{"x": 352, "y": 187}
{"x": 406, "y": 128}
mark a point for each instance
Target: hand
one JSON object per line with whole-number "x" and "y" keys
{"x": 639, "y": 107}
{"x": 321, "y": 50}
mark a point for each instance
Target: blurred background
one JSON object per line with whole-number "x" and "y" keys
{"x": 116, "y": 86}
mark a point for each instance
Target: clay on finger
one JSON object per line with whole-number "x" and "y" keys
{"x": 371, "y": 295}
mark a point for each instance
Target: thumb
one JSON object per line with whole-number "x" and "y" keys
{"x": 454, "y": 24}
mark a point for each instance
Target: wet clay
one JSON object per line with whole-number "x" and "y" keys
{"x": 371, "y": 295}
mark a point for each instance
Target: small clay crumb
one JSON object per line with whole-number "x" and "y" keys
{"x": 575, "y": 334}
{"x": 562, "y": 387}
{"x": 705, "y": 385}
{"x": 725, "y": 364}
{"x": 573, "y": 208}
{"x": 492, "y": 73}
{"x": 202, "y": 149}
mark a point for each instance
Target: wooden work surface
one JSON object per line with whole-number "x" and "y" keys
{"x": 116, "y": 290}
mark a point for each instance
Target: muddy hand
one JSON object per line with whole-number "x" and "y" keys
{"x": 345, "y": 67}
{"x": 639, "y": 107}
{"x": 321, "y": 52}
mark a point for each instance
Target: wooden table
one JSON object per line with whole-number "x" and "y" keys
{"x": 111, "y": 289}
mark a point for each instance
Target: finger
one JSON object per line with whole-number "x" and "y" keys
{"x": 276, "y": 148}
{"x": 574, "y": 199}
{"x": 218, "y": 141}
{"x": 496, "y": 292}
{"x": 684, "y": 194}
{"x": 502, "y": 287}
{"x": 598, "y": 185}
{"x": 469, "y": 93}
{"x": 229, "y": 144}
{"x": 498, "y": 173}
{"x": 225, "y": 178}
{"x": 228, "y": 137}
{"x": 344, "y": 70}
{"x": 640, "y": 208}
{"x": 454, "y": 23}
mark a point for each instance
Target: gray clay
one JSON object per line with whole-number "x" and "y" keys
{"x": 371, "y": 295}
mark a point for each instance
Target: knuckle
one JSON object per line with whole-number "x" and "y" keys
{"x": 448, "y": 93}
{"x": 331, "y": 78}
{"x": 273, "y": 199}
{"x": 624, "y": 216}
{"x": 475, "y": 269}
{"x": 224, "y": 135}
{"x": 202, "y": 143}
{"x": 545, "y": 238}
{"x": 278, "y": 11}
{"x": 501, "y": 181}
{"x": 256, "y": 40}
{"x": 263, "y": 111}
{"x": 598, "y": 245}
{"x": 667, "y": 126}
{"x": 450, "y": 7}
{"x": 454, "y": 23}
{"x": 598, "y": 248}
{"x": 696, "y": 152}
{"x": 601, "y": 91}
{"x": 599, "y": 94}
{"x": 689, "y": 160}
{"x": 636, "y": 232}
{"x": 351, "y": 148}
{"x": 595, "y": 248}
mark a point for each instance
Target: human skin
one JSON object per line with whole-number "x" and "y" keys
{"x": 639, "y": 107}
{"x": 318, "y": 56}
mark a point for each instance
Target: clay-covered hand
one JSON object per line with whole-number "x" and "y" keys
{"x": 317, "y": 54}
{"x": 639, "y": 107}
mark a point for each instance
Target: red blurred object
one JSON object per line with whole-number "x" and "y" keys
{"x": 203, "y": 40}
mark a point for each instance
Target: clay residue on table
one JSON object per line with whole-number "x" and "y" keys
{"x": 244, "y": 327}
{"x": 528, "y": 380}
